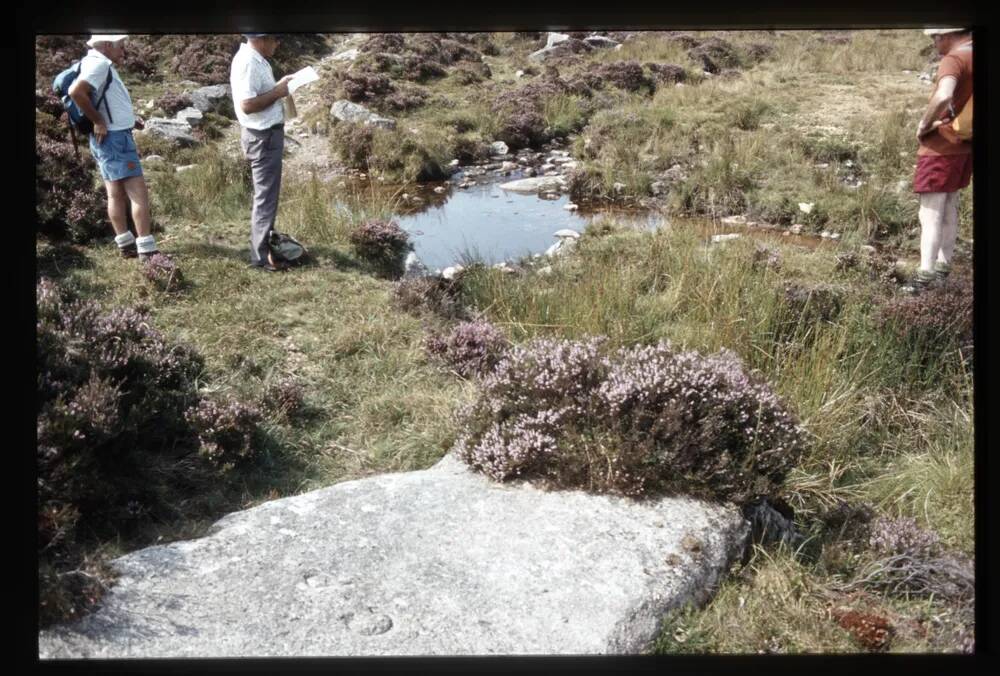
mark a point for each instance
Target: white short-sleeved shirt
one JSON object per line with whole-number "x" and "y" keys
{"x": 250, "y": 76}
{"x": 94, "y": 69}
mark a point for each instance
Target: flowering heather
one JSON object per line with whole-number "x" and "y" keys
{"x": 715, "y": 54}
{"x": 625, "y": 75}
{"x": 643, "y": 419}
{"x": 938, "y": 316}
{"x": 163, "y": 272}
{"x": 362, "y": 86}
{"x": 902, "y": 536}
{"x": 172, "y": 103}
{"x": 206, "y": 59}
{"x": 382, "y": 243}
{"x": 111, "y": 395}
{"x": 225, "y": 430}
{"x": 67, "y": 205}
{"x": 522, "y": 129}
{"x": 910, "y": 560}
{"x": 353, "y": 143}
{"x": 665, "y": 72}
{"x": 471, "y": 348}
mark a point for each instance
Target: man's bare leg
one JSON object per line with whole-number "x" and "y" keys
{"x": 949, "y": 229}
{"x": 117, "y": 206}
{"x": 932, "y": 206}
{"x": 138, "y": 194}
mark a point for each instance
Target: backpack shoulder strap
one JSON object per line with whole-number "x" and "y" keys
{"x": 104, "y": 93}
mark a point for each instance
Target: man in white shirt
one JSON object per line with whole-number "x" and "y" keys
{"x": 257, "y": 101}
{"x": 111, "y": 142}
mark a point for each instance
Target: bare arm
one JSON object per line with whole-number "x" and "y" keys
{"x": 937, "y": 105}
{"x": 80, "y": 91}
{"x": 259, "y": 103}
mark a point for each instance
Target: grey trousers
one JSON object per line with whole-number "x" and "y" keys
{"x": 263, "y": 149}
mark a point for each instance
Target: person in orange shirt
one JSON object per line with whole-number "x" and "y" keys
{"x": 944, "y": 166}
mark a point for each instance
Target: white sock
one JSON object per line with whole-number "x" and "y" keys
{"x": 124, "y": 239}
{"x": 146, "y": 244}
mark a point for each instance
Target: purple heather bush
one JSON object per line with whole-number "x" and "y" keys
{"x": 902, "y": 535}
{"x": 715, "y": 54}
{"x": 162, "y": 272}
{"x": 172, "y": 103}
{"x": 910, "y": 560}
{"x": 471, "y": 348}
{"x": 226, "y": 430}
{"x": 206, "y": 59}
{"x": 666, "y": 73}
{"x": 939, "y": 317}
{"x": 627, "y": 75}
{"x": 67, "y": 203}
{"x": 641, "y": 420}
{"x": 111, "y": 394}
{"x": 382, "y": 243}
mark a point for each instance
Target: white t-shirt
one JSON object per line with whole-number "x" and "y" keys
{"x": 94, "y": 69}
{"x": 250, "y": 76}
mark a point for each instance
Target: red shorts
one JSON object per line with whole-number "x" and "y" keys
{"x": 942, "y": 173}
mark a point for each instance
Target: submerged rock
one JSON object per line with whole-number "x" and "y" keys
{"x": 536, "y": 184}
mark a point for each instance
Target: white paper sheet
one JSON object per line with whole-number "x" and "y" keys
{"x": 302, "y": 77}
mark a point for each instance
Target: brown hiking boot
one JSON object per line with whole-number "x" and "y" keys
{"x": 128, "y": 251}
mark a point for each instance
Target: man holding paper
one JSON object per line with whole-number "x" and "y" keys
{"x": 257, "y": 101}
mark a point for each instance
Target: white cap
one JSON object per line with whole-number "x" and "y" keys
{"x": 942, "y": 31}
{"x": 95, "y": 38}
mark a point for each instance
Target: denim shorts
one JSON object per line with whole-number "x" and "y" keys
{"x": 117, "y": 156}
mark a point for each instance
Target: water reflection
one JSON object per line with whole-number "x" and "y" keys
{"x": 485, "y": 222}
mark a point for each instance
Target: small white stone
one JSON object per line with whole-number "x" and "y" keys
{"x": 440, "y": 189}
{"x": 453, "y": 163}
{"x": 566, "y": 232}
{"x": 726, "y": 237}
{"x": 186, "y": 167}
{"x": 570, "y": 207}
{"x": 806, "y": 207}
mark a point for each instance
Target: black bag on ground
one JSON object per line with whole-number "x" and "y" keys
{"x": 285, "y": 248}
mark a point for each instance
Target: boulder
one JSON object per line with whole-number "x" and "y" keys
{"x": 601, "y": 42}
{"x": 413, "y": 266}
{"x": 499, "y": 148}
{"x": 566, "y": 233}
{"x": 191, "y": 116}
{"x": 213, "y": 99}
{"x": 536, "y": 184}
{"x": 347, "y": 55}
{"x": 435, "y": 562}
{"x": 346, "y": 111}
{"x": 726, "y": 237}
{"x": 175, "y": 131}
{"x": 452, "y": 271}
{"x": 555, "y": 38}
